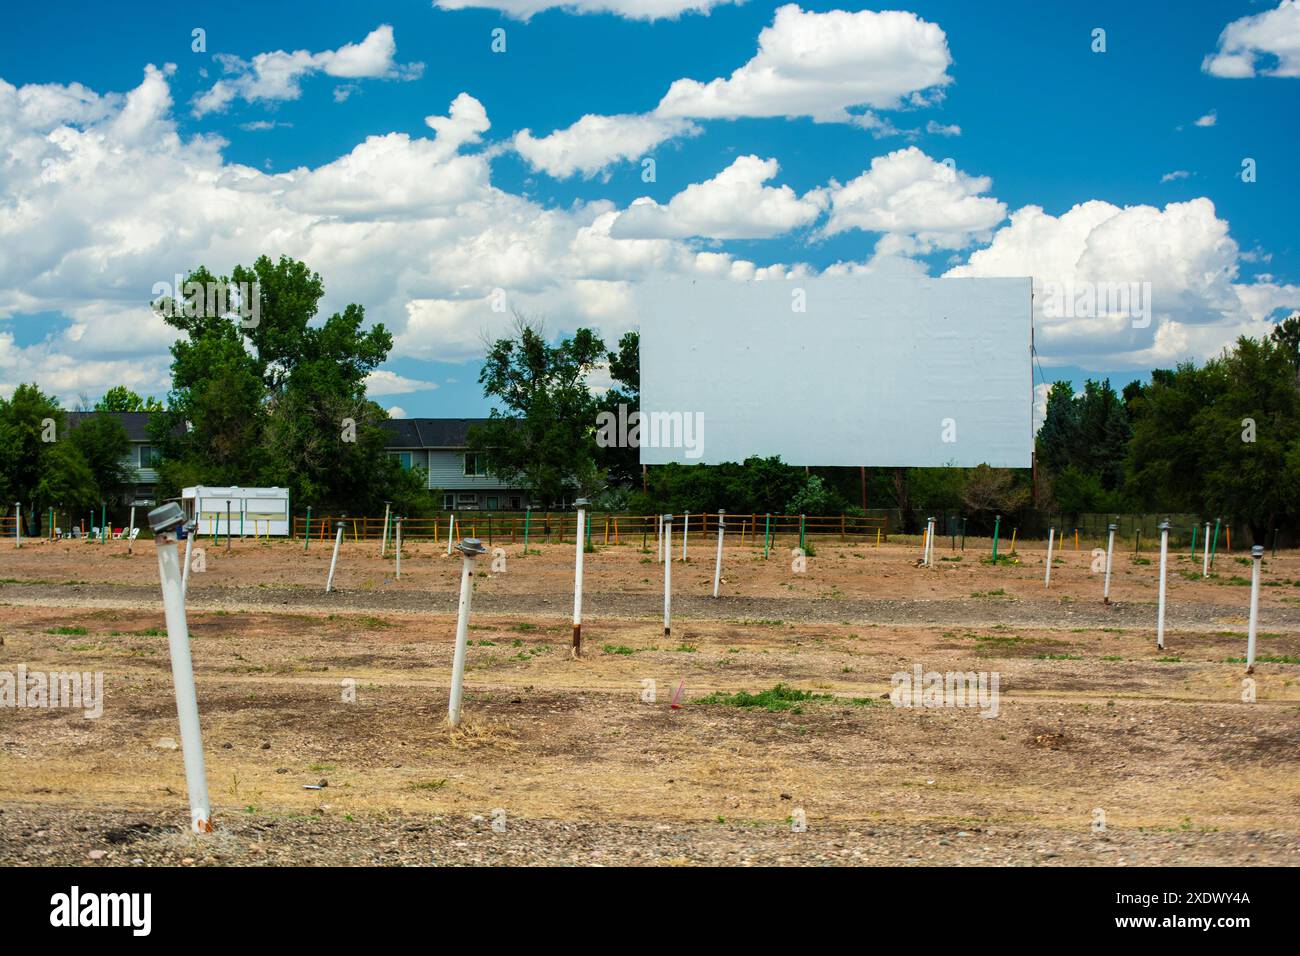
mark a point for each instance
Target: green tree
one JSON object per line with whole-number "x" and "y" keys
{"x": 103, "y": 444}
{"x": 544, "y": 435}
{"x": 1164, "y": 467}
{"x": 67, "y": 480}
{"x": 1248, "y": 433}
{"x": 31, "y": 423}
{"x": 622, "y": 462}
{"x": 1059, "y": 434}
{"x": 119, "y": 398}
{"x": 271, "y": 396}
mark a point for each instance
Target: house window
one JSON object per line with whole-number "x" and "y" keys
{"x": 475, "y": 464}
{"x": 492, "y": 504}
{"x": 149, "y": 456}
{"x": 515, "y": 503}
{"x": 448, "y": 502}
{"x": 467, "y": 499}
{"x": 403, "y": 458}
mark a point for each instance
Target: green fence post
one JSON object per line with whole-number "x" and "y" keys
{"x": 103, "y": 518}
{"x": 801, "y": 533}
{"x": 963, "y": 533}
{"x": 306, "y": 538}
{"x": 528, "y": 517}
{"x": 1193, "y": 540}
{"x": 997, "y": 525}
{"x": 1214, "y": 544}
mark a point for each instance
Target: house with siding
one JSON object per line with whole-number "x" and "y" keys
{"x": 440, "y": 447}
{"x": 141, "y": 457}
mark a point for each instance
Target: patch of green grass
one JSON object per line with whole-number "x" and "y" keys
{"x": 686, "y": 649}
{"x": 1169, "y": 660}
{"x": 68, "y": 630}
{"x": 957, "y": 558}
{"x": 430, "y": 784}
{"x": 1058, "y": 657}
{"x": 616, "y": 649}
{"x": 779, "y": 698}
{"x": 1266, "y": 659}
{"x": 523, "y": 626}
{"x": 999, "y": 593}
{"x": 999, "y": 640}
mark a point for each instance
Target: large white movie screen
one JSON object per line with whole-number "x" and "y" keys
{"x": 877, "y": 371}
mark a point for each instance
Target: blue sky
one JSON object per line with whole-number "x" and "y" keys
{"x": 1044, "y": 121}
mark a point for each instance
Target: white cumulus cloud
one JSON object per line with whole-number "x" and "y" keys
{"x": 1266, "y": 44}
{"x": 922, "y": 203}
{"x": 834, "y": 67}
{"x": 594, "y": 142}
{"x": 735, "y": 204}
{"x": 823, "y": 65}
{"x": 278, "y": 75}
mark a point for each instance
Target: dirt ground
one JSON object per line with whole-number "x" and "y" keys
{"x": 1104, "y": 749}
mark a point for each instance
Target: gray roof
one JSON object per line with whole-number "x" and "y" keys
{"x": 135, "y": 423}
{"x": 429, "y": 432}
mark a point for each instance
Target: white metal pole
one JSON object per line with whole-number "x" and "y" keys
{"x": 668, "y": 575}
{"x": 1257, "y": 553}
{"x": 470, "y": 548}
{"x": 130, "y": 528}
{"x": 686, "y": 532}
{"x": 383, "y": 538}
{"x": 929, "y": 543}
{"x": 451, "y": 530}
{"x": 189, "y": 543}
{"x": 1205, "y": 571}
{"x": 399, "y": 549}
{"x": 164, "y": 522}
{"x": 1160, "y": 612}
{"x": 1051, "y": 539}
{"x": 1110, "y": 553}
{"x": 717, "y": 567}
{"x": 338, "y": 539}
{"x": 576, "y": 650}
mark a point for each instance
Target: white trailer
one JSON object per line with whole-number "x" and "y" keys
{"x": 241, "y": 512}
